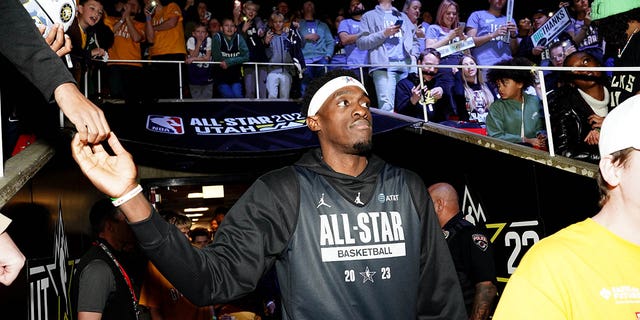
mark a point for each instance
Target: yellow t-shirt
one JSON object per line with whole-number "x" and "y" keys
{"x": 124, "y": 48}
{"x": 581, "y": 272}
{"x": 169, "y": 41}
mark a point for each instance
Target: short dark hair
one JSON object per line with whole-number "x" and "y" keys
{"x": 318, "y": 82}
{"x": 428, "y": 51}
{"x": 101, "y": 212}
{"x": 525, "y": 77}
{"x": 199, "y": 231}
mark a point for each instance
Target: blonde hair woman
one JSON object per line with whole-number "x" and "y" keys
{"x": 477, "y": 93}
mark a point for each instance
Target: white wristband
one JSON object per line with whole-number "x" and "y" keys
{"x": 127, "y": 196}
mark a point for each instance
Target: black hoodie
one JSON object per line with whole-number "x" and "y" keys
{"x": 365, "y": 247}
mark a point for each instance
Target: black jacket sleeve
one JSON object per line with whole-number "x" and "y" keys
{"x": 252, "y": 235}
{"x": 22, "y": 44}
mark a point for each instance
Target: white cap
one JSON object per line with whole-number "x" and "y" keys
{"x": 620, "y": 129}
{"x": 328, "y": 89}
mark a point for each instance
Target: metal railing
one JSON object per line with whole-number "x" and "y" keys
{"x": 360, "y": 71}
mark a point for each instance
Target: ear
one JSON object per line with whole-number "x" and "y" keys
{"x": 313, "y": 124}
{"x": 437, "y": 205}
{"x": 610, "y": 172}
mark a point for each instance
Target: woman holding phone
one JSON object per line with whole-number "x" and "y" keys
{"x": 446, "y": 30}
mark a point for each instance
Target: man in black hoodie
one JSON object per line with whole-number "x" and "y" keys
{"x": 351, "y": 237}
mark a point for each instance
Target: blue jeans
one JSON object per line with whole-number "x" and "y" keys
{"x": 312, "y": 72}
{"x": 230, "y": 90}
{"x": 385, "y": 81}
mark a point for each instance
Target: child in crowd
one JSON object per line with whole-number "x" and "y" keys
{"x": 277, "y": 45}
{"x": 90, "y": 39}
{"x": 253, "y": 29}
{"x": 517, "y": 116}
{"x": 230, "y": 49}
{"x": 200, "y": 74}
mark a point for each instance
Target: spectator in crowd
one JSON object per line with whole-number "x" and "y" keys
{"x": 318, "y": 45}
{"x": 230, "y": 49}
{"x": 494, "y": 37}
{"x": 218, "y": 215}
{"x": 478, "y": 96}
{"x": 412, "y": 9}
{"x": 422, "y": 99}
{"x": 526, "y": 48}
{"x": 253, "y": 29}
{"x": 348, "y": 31}
{"x": 189, "y": 15}
{"x": 583, "y": 32}
{"x": 214, "y": 26}
{"x": 339, "y": 57}
{"x": 445, "y": 31}
{"x": 165, "y": 30}
{"x": 265, "y": 228}
{"x": 525, "y": 28}
{"x": 549, "y": 282}
{"x": 283, "y": 8}
{"x": 517, "y": 116}
{"x": 558, "y": 51}
{"x": 164, "y": 300}
{"x": 200, "y": 74}
{"x": 427, "y": 17}
{"x": 278, "y": 47}
{"x": 578, "y": 109}
{"x": 197, "y": 13}
{"x": 125, "y": 78}
{"x": 90, "y": 39}
{"x": 39, "y": 62}
{"x": 101, "y": 287}
{"x": 204, "y": 15}
{"x": 619, "y": 23}
{"x": 471, "y": 250}
{"x": 200, "y": 237}
{"x": 388, "y": 37}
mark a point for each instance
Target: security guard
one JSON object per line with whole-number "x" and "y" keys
{"x": 471, "y": 251}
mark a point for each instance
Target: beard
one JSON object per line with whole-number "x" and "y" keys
{"x": 358, "y": 12}
{"x": 364, "y": 147}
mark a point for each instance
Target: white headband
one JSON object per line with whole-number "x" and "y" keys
{"x": 329, "y": 88}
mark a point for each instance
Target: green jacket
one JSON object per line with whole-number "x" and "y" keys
{"x": 507, "y": 117}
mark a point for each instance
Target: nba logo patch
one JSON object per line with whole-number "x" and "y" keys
{"x": 165, "y": 124}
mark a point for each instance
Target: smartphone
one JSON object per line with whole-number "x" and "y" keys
{"x": 399, "y": 22}
{"x": 152, "y": 6}
{"x": 462, "y": 25}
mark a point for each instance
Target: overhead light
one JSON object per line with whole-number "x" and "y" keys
{"x": 195, "y": 219}
{"x": 209, "y": 192}
{"x": 193, "y": 195}
{"x": 194, "y": 215}
{"x": 199, "y": 209}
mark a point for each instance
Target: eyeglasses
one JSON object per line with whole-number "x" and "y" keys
{"x": 558, "y": 57}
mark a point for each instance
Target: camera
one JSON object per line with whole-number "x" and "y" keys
{"x": 49, "y": 12}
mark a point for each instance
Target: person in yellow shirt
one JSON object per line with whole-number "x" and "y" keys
{"x": 125, "y": 77}
{"x": 165, "y": 33}
{"x": 589, "y": 270}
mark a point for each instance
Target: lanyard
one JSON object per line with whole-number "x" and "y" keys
{"x": 124, "y": 275}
